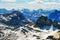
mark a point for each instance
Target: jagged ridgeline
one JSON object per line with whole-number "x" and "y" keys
{"x": 44, "y": 21}
{"x": 17, "y": 18}
{"x": 14, "y": 19}
{"x": 52, "y": 19}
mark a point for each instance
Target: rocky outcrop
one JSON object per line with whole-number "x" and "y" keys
{"x": 45, "y": 21}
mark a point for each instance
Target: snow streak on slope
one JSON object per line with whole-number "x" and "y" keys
{"x": 27, "y": 32}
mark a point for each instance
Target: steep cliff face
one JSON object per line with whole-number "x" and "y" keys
{"x": 45, "y": 22}
{"x": 14, "y": 19}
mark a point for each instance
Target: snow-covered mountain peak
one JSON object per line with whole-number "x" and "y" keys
{"x": 28, "y": 33}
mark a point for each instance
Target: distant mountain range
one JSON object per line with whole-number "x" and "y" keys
{"x": 19, "y": 18}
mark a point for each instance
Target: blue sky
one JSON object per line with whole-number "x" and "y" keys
{"x": 14, "y": 1}
{"x": 23, "y": 1}
{"x": 51, "y": 0}
{"x": 29, "y": 3}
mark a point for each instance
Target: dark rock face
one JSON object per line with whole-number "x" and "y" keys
{"x": 51, "y": 38}
{"x": 37, "y": 37}
{"x": 1, "y": 35}
{"x": 44, "y": 21}
{"x": 16, "y": 19}
{"x": 24, "y": 31}
{"x": 56, "y": 36}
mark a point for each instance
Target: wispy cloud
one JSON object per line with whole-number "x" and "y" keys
{"x": 37, "y": 4}
{"x": 8, "y": 0}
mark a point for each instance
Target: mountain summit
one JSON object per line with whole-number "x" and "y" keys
{"x": 15, "y": 19}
